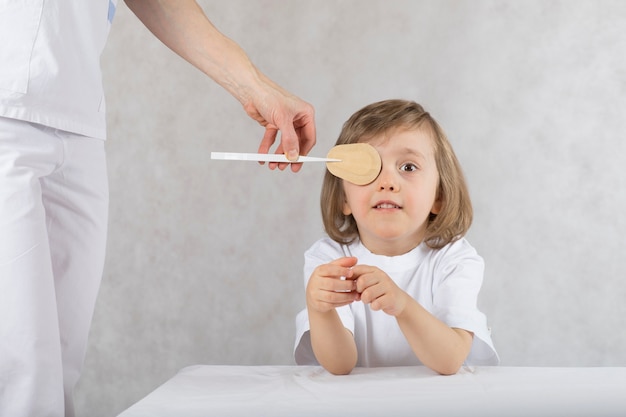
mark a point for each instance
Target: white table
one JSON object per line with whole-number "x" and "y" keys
{"x": 294, "y": 391}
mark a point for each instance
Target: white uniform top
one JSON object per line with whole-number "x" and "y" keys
{"x": 50, "y": 62}
{"x": 445, "y": 282}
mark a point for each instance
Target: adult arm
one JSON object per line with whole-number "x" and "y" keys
{"x": 183, "y": 27}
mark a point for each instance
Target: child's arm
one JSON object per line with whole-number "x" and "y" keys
{"x": 438, "y": 346}
{"x": 333, "y": 344}
{"x": 441, "y": 348}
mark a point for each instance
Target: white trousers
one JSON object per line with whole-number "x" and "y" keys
{"x": 53, "y": 221}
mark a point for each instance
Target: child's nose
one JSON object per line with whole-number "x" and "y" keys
{"x": 387, "y": 182}
{"x": 387, "y": 186}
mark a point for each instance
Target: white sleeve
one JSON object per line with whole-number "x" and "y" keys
{"x": 303, "y": 351}
{"x": 455, "y": 296}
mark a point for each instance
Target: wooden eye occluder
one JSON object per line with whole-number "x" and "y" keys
{"x": 359, "y": 163}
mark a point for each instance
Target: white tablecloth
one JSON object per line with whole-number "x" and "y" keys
{"x": 294, "y": 391}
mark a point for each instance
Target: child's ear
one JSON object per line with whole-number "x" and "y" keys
{"x": 436, "y": 208}
{"x": 346, "y": 209}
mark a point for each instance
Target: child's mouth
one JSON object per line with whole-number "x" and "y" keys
{"x": 387, "y": 206}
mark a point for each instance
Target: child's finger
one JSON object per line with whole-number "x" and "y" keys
{"x": 343, "y": 285}
{"x": 339, "y": 268}
{"x": 365, "y": 276}
{"x": 371, "y": 294}
{"x": 338, "y": 299}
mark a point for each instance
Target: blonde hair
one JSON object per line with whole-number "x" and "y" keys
{"x": 455, "y": 216}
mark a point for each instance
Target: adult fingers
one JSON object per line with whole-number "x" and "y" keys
{"x": 266, "y": 143}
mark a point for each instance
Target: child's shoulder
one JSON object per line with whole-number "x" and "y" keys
{"x": 459, "y": 245}
{"x": 458, "y": 250}
{"x": 328, "y": 246}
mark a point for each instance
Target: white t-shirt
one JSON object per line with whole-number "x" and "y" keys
{"x": 446, "y": 282}
{"x": 50, "y": 62}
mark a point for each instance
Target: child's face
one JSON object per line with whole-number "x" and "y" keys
{"x": 392, "y": 212}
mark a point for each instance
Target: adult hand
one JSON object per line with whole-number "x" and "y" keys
{"x": 276, "y": 109}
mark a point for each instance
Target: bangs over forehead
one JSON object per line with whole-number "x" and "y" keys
{"x": 382, "y": 117}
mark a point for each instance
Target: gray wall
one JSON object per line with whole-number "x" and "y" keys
{"x": 204, "y": 257}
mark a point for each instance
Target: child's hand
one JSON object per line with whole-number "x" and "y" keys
{"x": 378, "y": 290}
{"x": 327, "y": 290}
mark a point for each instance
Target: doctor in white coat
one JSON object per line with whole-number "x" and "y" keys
{"x": 53, "y": 182}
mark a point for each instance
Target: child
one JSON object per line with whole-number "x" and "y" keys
{"x": 395, "y": 283}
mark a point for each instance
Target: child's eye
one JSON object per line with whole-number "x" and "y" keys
{"x": 408, "y": 167}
